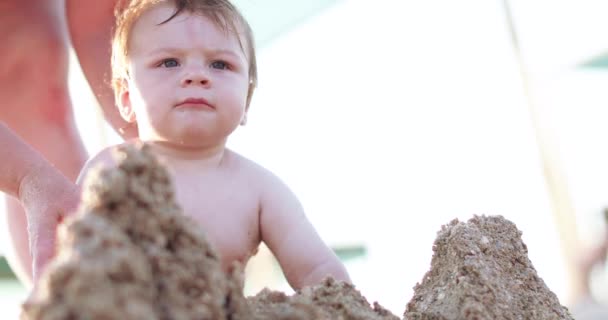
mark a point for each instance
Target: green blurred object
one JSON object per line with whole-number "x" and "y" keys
{"x": 350, "y": 253}
{"x": 598, "y": 62}
{"x": 270, "y": 19}
{"x": 5, "y": 270}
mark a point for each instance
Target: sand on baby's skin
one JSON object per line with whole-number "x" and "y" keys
{"x": 130, "y": 253}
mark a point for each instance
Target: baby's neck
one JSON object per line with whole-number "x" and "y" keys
{"x": 189, "y": 157}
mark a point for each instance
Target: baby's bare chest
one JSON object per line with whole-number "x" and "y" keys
{"x": 226, "y": 210}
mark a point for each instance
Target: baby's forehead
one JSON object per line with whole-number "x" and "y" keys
{"x": 161, "y": 26}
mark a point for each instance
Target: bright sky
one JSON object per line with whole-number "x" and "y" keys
{"x": 390, "y": 120}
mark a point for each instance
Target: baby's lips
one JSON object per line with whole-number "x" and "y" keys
{"x": 202, "y": 102}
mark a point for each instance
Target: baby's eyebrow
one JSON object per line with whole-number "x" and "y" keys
{"x": 225, "y": 51}
{"x": 165, "y": 50}
{"x": 173, "y": 50}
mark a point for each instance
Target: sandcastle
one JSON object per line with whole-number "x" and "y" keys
{"x": 129, "y": 253}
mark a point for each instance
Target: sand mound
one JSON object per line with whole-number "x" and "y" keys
{"x": 328, "y": 300}
{"x": 130, "y": 253}
{"x": 480, "y": 270}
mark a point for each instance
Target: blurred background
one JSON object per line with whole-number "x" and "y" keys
{"x": 389, "y": 118}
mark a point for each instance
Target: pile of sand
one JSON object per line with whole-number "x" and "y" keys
{"x": 129, "y": 253}
{"x": 480, "y": 270}
{"x": 329, "y": 300}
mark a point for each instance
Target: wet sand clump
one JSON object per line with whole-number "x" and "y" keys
{"x": 130, "y": 253}
{"x": 329, "y": 300}
{"x": 480, "y": 270}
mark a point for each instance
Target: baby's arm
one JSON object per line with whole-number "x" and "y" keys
{"x": 303, "y": 256}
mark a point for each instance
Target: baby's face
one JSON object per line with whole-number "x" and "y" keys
{"x": 188, "y": 79}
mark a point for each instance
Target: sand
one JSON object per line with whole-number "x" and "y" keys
{"x": 480, "y": 270}
{"x": 130, "y": 253}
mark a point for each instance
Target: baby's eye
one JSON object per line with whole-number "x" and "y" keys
{"x": 220, "y": 65}
{"x": 169, "y": 63}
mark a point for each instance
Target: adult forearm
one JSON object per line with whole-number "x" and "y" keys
{"x": 19, "y": 159}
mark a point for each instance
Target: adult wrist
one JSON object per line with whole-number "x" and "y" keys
{"x": 30, "y": 181}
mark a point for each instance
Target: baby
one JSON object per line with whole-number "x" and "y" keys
{"x": 183, "y": 74}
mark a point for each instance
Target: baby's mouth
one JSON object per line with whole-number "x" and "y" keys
{"x": 195, "y": 103}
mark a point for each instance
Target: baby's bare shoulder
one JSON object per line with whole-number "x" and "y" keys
{"x": 251, "y": 170}
{"x": 104, "y": 159}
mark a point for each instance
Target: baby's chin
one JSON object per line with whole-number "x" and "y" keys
{"x": 188, "y": 134}
{"x": 191, "y": 139}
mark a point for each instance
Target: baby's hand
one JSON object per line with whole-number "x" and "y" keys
{"x": 47, "y": 197}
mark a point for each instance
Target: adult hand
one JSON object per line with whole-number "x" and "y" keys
{"x": 48, "y": 197}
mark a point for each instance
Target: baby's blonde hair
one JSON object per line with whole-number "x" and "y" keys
{"x": 221, "y": 12}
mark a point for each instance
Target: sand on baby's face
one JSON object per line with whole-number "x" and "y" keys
{"x": 130, "y": 253}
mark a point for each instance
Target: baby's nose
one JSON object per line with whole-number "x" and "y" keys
{"x": 196, "y": 77}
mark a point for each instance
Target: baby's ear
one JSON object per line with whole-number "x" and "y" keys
{"x": 247, "y": 102}
{"x": 123, "y": 100}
